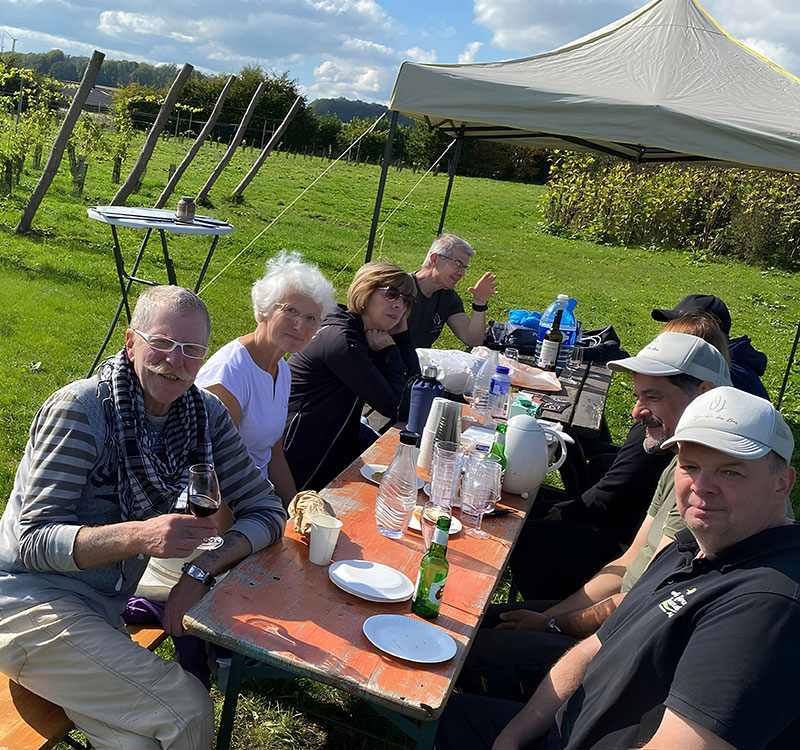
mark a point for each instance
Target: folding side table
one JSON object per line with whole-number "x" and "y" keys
{"x": 150, "y": 219}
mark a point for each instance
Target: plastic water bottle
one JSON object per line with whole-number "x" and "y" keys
{"x": 563, "y": 302}
{"x": 497, "y": 402}
{"x": 483, "y": 380}
{"x": 424, "y": 390}
{"x": 397, "y": 493}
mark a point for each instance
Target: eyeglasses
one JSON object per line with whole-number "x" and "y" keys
{"x": 392, "y": 293}
{"x": 309, "y": 321}
{"x": 458, "y": 263}
{"x": 164, "y": 344}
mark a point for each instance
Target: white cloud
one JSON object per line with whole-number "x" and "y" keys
{"x": 122, "y": 24}
{"x": 468, "y": 55}
{"x": 338, "y": 78}
{"x": 417, "y": 54}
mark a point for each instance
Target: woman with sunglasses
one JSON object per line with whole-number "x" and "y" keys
{"x": 361, "y": 353}
{"x": 250, "y": 375}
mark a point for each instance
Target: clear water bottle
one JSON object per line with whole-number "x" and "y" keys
{"x": 565, "y": 303}
{"x": 483, "y": 380}
{"x": 497, "y": 401}
{"x": 397, "y": 493}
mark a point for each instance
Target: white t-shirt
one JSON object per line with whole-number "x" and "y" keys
{"x": 264, "y": 404}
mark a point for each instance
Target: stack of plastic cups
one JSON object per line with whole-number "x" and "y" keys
{"x": 445, "y": 475}
{"x": 443, "y": 423}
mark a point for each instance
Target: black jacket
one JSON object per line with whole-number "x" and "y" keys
{"x": 332, "y": 378}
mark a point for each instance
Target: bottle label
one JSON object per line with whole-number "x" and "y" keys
{"x": 436, "y": 592}
{"x": 440, "y": 536}
{"x": 499, "y": 387}
{"x": 549, "y": 353}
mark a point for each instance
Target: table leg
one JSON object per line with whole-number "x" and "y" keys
{"x": 423, "y": 734}
{"x": 205, "y": 265}
{"x": 231, "y": 699}
{"x": 167, "y": 260}
{"x": 125, "y": 282}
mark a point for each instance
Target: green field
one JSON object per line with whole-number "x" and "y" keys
{"x": 59, "y": 290}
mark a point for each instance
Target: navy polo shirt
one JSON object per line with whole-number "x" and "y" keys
{"x": 715, "y": 639}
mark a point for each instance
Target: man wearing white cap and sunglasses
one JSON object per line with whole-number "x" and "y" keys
{"x": 703, "y": 651}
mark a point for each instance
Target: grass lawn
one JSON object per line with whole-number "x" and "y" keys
{"x": 59, "y": 290}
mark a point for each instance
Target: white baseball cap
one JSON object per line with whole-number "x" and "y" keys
{"x": 735, "y": 423}
{"x": 674, "y": 353}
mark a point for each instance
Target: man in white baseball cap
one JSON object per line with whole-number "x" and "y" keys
{"x": 668, "y": 373}
{"x": 707, "y": 639}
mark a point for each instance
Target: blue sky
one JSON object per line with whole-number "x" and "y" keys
{"x": 352, "y": 48}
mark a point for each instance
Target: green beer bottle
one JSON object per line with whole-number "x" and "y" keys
{"x": 433, "y": 573}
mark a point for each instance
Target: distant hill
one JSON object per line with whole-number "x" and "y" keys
{"x": 349, "y": 109}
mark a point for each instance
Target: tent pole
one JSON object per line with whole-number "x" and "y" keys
{"x": 387, "y": 157}
{"x": 451, "y": 176}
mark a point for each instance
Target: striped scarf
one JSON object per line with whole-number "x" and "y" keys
{"x": 149, "y": 483}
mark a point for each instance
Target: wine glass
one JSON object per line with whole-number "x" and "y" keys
{"x": 477, "y": 491}
{"x": 575, "y": 359}
{"x": 204, "y": 498}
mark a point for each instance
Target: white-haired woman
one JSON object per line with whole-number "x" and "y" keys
{"x": 249, "y": 374}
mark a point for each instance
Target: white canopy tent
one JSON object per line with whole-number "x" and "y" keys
{"x": 665, "y": 83}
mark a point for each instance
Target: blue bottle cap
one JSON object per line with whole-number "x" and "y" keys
{"x": 502, "y": 369}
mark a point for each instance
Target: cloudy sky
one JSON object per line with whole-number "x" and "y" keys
{"x": 352, "y": 48}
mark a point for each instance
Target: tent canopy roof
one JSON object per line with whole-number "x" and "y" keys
{"x": 665, "y": 83}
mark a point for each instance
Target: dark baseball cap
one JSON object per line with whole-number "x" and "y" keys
{"x": 707, "y": 303}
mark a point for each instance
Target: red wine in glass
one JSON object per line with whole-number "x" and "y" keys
{"x": 204, "y": 498}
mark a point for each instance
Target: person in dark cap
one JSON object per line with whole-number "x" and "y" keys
{"x": 747, "y": 363}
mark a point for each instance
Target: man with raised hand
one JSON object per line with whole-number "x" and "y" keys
{"x": 703, "y": 651}
{"x": 437, "y": 301}
{"x": 92, "y": 502}
{"x": 520, "y": 642}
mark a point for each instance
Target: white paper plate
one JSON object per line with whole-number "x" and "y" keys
{"x": 410, "y": 639}
{"x": 367, "y": 470}
{"x": 455, "y": 524}
{"x": 372, "y": 581}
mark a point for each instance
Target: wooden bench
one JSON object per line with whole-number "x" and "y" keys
{"x": 29, "y": 722}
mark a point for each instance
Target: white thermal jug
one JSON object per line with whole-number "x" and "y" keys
{"x": 526, "y": 454}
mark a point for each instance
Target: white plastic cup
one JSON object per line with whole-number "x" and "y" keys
{"x": 324, "y": 533}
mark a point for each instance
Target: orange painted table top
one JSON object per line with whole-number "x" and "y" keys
{"x": 281, "y": 609}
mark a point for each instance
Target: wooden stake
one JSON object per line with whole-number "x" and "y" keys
{"x": 60, "y": 143}
{"x": 152, "y": 137}
{"x": 194, "y": 150}
{"x": 276, "y": 136}
{"x": 237, "y": 139}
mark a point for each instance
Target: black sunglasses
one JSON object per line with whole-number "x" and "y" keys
{"x": 392, "y": 293}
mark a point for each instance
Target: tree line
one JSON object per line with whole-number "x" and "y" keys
{"x": 141, "y": 88}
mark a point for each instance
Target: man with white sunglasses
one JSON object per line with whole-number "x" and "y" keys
{"x": 93, "y": 500}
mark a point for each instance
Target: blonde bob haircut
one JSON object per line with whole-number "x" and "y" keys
{"x": 372, "y": 276}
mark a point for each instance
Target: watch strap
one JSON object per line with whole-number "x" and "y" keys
{"x": 480, "y": 308}
{"x": 196, "y": 572}
{"x": 552, "y": 627}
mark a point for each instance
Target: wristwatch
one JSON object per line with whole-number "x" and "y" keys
{"x": 552, "y": 627}
{"x": 480, "y": 308}
{"x": 193, "y": 571}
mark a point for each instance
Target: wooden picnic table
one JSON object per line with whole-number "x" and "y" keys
{"x": 282, "y": 610}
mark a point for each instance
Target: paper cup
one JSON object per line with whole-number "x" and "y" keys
{"x": 324, "y": 533}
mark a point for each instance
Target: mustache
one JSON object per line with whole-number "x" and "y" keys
{"x": 163, "y": 369}
{"x": 651, "y": 422}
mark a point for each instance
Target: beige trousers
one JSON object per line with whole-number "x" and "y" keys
{"x": 121, "y": 696}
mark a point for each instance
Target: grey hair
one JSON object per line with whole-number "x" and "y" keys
{"x": 287, "y": 273}
{"x": 776, "y": 462}
{"x": 444, "y": 244}
{"x": 175, "y": 299}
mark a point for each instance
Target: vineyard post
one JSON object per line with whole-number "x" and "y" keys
{"x": 193, "y": 151}
{"x": 60, "y": 143}
{"x": 152, "y": 137}
{"x": 276, "y": 136}
{"x": 234, "y": 144}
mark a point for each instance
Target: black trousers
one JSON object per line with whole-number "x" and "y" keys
{"x": 510, "y": 664}
{"x": 553, "y": 559}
